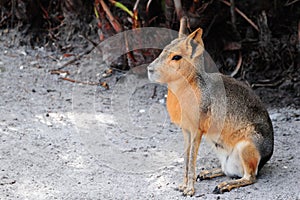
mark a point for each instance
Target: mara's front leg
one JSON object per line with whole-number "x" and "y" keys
{"x": 187, "y": 147}
{"x": 195, "y": 140}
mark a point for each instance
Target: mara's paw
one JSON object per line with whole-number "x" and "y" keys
{"x": 220, "y": 190}
{"x": 209, "y": 174}
{"x": 189, "y": 191}
{"x": 203, "y": 175}
{"x": 227, "y": 186}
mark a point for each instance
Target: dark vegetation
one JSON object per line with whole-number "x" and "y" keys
{"x": 255, "y": 41}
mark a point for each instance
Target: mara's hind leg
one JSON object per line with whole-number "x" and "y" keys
{"x": 249, "y": 158}
{"x": 209, "y": 174}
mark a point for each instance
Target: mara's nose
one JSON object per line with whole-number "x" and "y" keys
{"x": 150, "y": 68}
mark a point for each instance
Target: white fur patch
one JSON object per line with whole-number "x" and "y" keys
{"x": 230, "y": 159}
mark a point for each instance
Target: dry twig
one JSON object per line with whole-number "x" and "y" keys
{"x": 178, "y": 8}
{"x": 238, "y": 66}
{"x": 135, "y": 15}
{"x": 232, "y": 13}
{"x": 116, "y": 25}
{"x": 13, "y": 9}
{"x": 209, "y": 26}
{"x": 288, "y": 3}
{"x": 103, "y": 84}
{"x": 299, "y": 33}
{"x": 275, "y": 84}
{"x": 77, "y": 58}
{"x": 76, "y": 81}
{"x": 242, "y": 14}
{"x": 169, "y": 12}
{"x": 129, "y": 54}
{"x": 58, "y": 72}
{"x": 148, "y": 6}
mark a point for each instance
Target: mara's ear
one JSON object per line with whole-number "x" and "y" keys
{"x": 196, "y": 36}
{"x": 195, "y": 44}
{"x": 183, "y": 27}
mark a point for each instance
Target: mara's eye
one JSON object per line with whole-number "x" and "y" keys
{"x": 176, "y": 57}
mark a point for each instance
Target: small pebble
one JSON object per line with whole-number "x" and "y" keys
{"x": 161, "y": 101}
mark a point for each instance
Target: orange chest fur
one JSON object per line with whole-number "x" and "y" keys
{"x": 174, "y": 108}
{"x": 185, "y": 111}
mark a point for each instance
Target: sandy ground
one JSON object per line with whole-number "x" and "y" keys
{"x": 61, "y": 140}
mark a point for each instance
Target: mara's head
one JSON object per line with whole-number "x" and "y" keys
{"x": 178, "y": 60}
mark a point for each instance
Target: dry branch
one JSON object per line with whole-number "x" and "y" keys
{"x": 299, "y": 33}
{"x": 232, "y": 13}
{"x": 238, "y": 66}
{"x": 275, "y": 84}
{"x": 116, "y": 25}
{"x": 76, "y": 81}
{"x": 178, "y": 8}
{"x": 135, "y": 15}
{"x": 103, "y": 84}
{"x": 76, "y": 58}
{"x": 242, "y": 14}
{"x": 148, "y": 6}
{"x": 288, "y": 3}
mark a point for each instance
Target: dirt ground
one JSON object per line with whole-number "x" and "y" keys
{"x": 63, "y": 140}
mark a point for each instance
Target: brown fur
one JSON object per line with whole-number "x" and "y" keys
{"x": 246, "y": 137}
